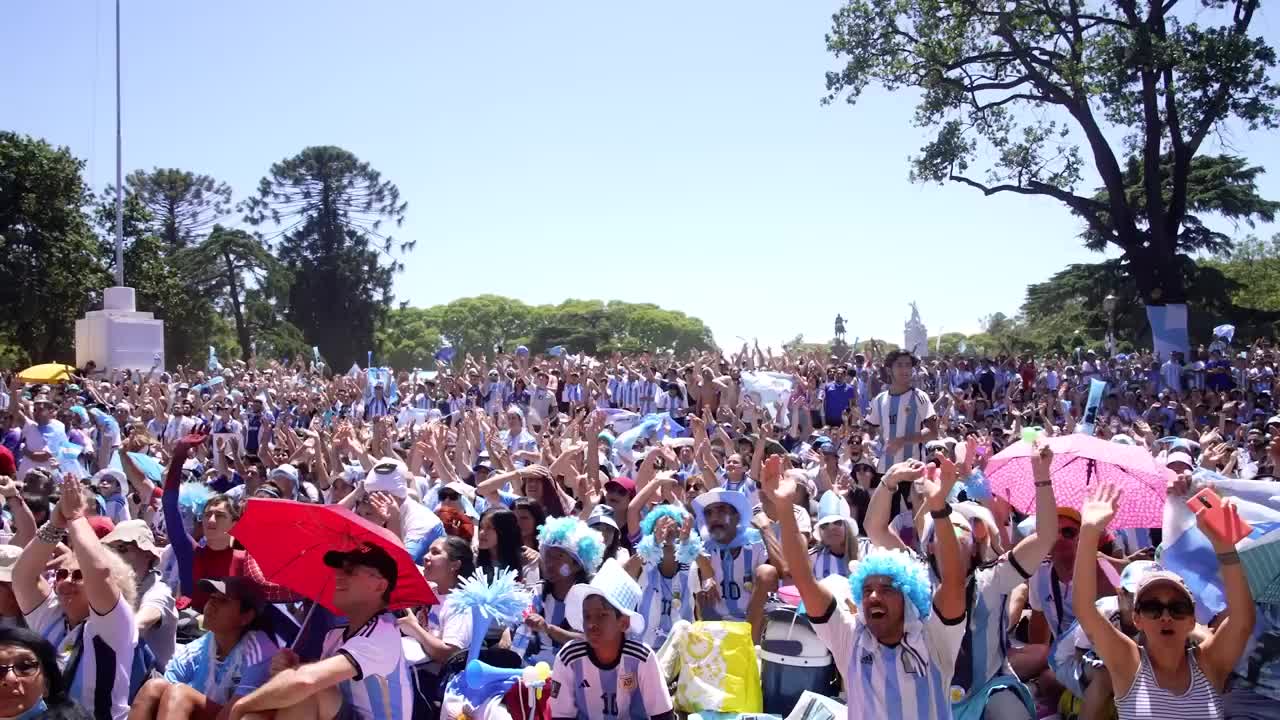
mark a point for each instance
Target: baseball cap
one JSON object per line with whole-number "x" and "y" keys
{"x": 1179, "y": 457}
{"x": 1133, "y": 574}
{"x": 1156, "y": 578}
{"x": 602, "y": 515}
{"x": 370, "y": 556}
{"x": 625, "y": 483}
{"x": 285, "y": 470}
{"x": 237, "y": 588}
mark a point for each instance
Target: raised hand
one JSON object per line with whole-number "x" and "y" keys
{"x": 1230, "y": 519}
{"x": 1100, "y": 507}
{"x": 1041, "y": 458}
{"x": 775, "y": 485}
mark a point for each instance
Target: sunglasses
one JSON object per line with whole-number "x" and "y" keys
{"x": 63, "y": 574}
{"x": 1069, "y": 533}
{"x": 1154, "y": 609}
{"x": 22, "y": 668}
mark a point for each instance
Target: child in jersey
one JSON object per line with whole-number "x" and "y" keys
{"x": 838, "y": 543}
{"x": 608, "y": 675}
{"x": 570, "y": 553}
{"x": 665, "y": 564}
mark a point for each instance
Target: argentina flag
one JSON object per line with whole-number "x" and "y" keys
{"x": 1168, "y": 329}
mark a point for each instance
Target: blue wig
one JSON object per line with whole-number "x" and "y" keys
{"x": 191, "y": 498}
{"x": 686, "y": 552}
{"x": 908, "y": 575}
{"x": 576, "y": 538}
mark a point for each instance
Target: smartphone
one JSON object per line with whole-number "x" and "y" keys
{"x": 1234, "y": 529}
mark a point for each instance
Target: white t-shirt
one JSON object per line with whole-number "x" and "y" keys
{"x": 100, "y": 642}
{"x": 161, "y": 636}
{"x": 382, "y": 688}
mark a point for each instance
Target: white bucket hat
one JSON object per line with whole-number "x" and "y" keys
{"x": 833, "y": 508}
{"x": 615, "y": 585}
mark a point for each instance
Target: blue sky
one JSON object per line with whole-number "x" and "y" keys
{"x": 668, "y": 152}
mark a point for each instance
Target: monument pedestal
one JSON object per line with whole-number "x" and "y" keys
{"x": 118, "y": 337}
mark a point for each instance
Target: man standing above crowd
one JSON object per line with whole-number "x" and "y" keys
{"x": 903, "y": 415}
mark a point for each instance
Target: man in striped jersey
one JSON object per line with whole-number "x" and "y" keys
{"x": 902, "y": 414}
{"x": 607, "y": 675}
{"x": 894, "y": 641}
{"x": 744, "y": 570}
{"x": 362, "y": 674}
{"x": 647, "y": 392}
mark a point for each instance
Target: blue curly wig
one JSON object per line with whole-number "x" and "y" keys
{"x": 191, "y": 498}
{"x": 910, "y": 577}
{"x": 576, "y": 538}
{"x": 686, "y": 552}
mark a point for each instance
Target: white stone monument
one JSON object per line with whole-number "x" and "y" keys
{"x": 915, "y": 336}
{"x": 118, "y": 337}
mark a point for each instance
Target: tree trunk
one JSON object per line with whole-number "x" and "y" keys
{"x": 233, "y": 287}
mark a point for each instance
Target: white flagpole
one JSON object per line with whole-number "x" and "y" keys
{"x": 119, "y": 167}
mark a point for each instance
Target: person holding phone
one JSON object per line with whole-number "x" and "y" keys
{"x": 1160, "y": 674}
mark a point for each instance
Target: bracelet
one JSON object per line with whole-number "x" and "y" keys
{"x": 1229, "y": 558}
{"x": 48, "y": 533}
{"x": 945, "y": 512}
{"x": 1044, "y": 483}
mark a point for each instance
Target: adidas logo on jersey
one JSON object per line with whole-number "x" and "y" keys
{"x": 867, "y": 659}
{"x": 585, "y": 684}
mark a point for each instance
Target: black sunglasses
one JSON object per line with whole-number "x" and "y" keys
{"x": 62, "y": 574}
{"x": 1154, "y": 609}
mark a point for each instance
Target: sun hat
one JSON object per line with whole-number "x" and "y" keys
{"x": 237, "y": 588}
{"x": 9, "y": 555}
{"x": 733, "y": 498}
{"x": 113, "y": 474}
{"x": 1179, "y": 457}
{"x": 136, "y": 532}
{"x": 614, "y": 584}
{"x": 574, "y": 537}
{"x": 832, "y": 509}
{"x": 389, "y": 476}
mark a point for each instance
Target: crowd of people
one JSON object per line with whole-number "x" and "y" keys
{"x": 633, "y": 497}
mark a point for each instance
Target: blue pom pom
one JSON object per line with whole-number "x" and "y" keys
{"x": 191, "y": 498}
{"x": 908, "y": 575}
{"x": 651, "y": 520}
{"x": 649, "y": 551}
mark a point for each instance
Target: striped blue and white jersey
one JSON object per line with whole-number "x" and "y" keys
{"x": 495, "y": 394}
{"x": 746, "y": 486}
{"x": 666, "y": 600}
{"x": 633, "y": 687}
{"x": 1054, "y": 602}
{"x": 735, "y": 572}
{"x": 97, "y": 654}
{"x": 242, "y": 671}
{"x": 909, "y": 681}
{"x": 537, "y": 647}
{"x": 984, "y": 651}
{"x": 573, "y": 394}
{"x": 825, "y": 563}
{"x": 647, "y": 396}
{"x": 898, "y": 416}
{"x": 382, "y": 688}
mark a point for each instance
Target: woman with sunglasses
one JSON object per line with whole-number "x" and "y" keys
{"x": 1160, "y": 674}
{"x": 31, "y": 686}
{"x": 89, "y": 613}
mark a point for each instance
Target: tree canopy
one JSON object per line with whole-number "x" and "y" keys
{"x": 1022, "y": 95}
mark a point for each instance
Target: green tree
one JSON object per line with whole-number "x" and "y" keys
{"x": 409, "y": 337}
{"x": 1254, "y": 266}
{"x": 51, "y": 267}
{"x": 330, "y": 209}
{"x": 1025, "y": 83}
{"x": 182, "y": 206}
{"x": 227, "y": 265}
{"x": 476, "y": 325}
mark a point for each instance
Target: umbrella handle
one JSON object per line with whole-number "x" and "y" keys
{"x": 305, "y": 619}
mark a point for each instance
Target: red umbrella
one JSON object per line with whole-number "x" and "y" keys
{"x": 1080, "y": 463}
{"x": 288, "y": 539}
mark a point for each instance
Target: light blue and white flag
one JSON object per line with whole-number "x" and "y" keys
{"x": 1168, "y": 329}
{"x": 1225, "y": 332}
{"x": 213, "y": 364}
{"x": 555, "y": 351}
{"x": 1186, "y": 551}
{"x": 1096, "y": 387}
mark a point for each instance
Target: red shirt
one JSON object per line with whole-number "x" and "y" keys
{"x": 210, "y": 564}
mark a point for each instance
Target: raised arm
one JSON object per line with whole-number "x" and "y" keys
{"x": 1118, "y": 653}
{"x": 90, "y": 553}
{"x": 948, "y": 598}
{"x": 877, "y": 519}
{"x": 24, "y": 523}
{"x": 1031, "y": 550}
{"x": 780, "y": 488}
{"x": 1226, "y": 644}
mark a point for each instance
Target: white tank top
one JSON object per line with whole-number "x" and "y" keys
{"x": 1146, "y": 699}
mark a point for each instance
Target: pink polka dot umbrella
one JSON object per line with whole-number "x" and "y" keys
{"x": 1081, "y": 463}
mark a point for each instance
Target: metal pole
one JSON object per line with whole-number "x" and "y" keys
{"x": 119, "y": 167}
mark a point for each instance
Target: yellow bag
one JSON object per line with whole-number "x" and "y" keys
{"x": 718, "y": 669}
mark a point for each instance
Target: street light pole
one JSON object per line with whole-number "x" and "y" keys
{"x": 1109, "y": 304}
{"x": 119, "y": 167}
